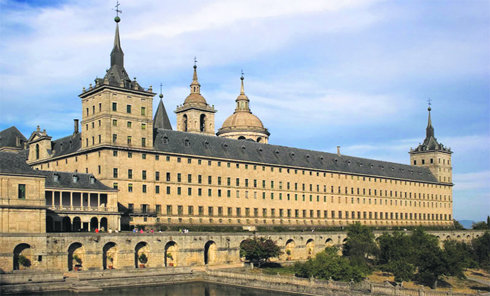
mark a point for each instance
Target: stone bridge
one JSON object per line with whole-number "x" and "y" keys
{"x": 91, "y": 251}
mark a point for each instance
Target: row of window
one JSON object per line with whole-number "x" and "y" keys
{"x": 290, "y": 213}
{"x": 129, "y": 140}
{"x": 246, "y": 183}
{"x": 129, "y": 124}
{"x": 432, "y": 161}
{"x": 114, "y": 108}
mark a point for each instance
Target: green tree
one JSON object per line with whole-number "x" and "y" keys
{"x": 259, "y": 250}
{"x": 328, "y": 264}
{"x": 480, "y": 225}
{"x": 481, "y": 250}
{"x": 458, "y": 257}
{"x": 360, "y": 246}
{"x": 457, "y": 225}
{"x": 395, "y": 254}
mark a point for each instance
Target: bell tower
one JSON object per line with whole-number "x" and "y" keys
{"x": 433, "y": 155}
{"x": 195, "y": 115}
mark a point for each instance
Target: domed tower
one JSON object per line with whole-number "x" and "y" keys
{"x": 242, "y": 124}
{"x": 195, "y": 115}
{"x": 433, "y": 155}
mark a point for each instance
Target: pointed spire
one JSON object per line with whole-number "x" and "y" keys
{"x": 161, "y": 117}
{"x": 195, "y": 86}
{"x": 242, "y": 101}
{"x": 429, "y": 132}
{"x": 242, "y": 89}
{"x": 117, "y": 55}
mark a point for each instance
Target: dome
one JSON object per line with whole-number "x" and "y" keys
{"x": 243, "y": 121}
{"x": 195, "y": 98}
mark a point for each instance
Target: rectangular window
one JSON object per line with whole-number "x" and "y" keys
{"x": 158, "y": 209}
{"x": 128, "y": 109}
{"x": 130, "y": 173}
{"x": 114, "y": 153}
{"x": 22, "y": 191}
{"x": 169, "y": 210}
{"x": 179, "y": 177}
{"x": 143, "y": 142}
{"x": 129, "y": 140}
{"x": 114, "y": 139}
{"x": 130, "y": 154}
{"x": 189, "y": 178}
{"x": 157, "y": 176}
{"x": 210, "y": 180}
{"x": 143, "y": 126}
{"x": 129, "y": 124}
{"x": 157, "y": 189}
{"x": 168, "y": 177}
{"x": 131, "y": 207}
{"x": 114, "y": 172}
{"x": 130, "y": 187}
{"x": 114, "y": 106}
{"x": 144, "y": 188}
{"x": 115, "y": 185}
{"x": 143, "y": 111}
{"x": 143, "y": 175}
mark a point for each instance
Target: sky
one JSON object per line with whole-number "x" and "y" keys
{"x": 319, "y": 74}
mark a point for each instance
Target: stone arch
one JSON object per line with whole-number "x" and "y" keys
{"x": 22, "y": 256}
{"x": 171, "y": 254}
{"x": 49, "y": 224}
{"x": 77, "y": 224}
{"x": 103, "y": 224}
{"x": 141, "y": 251}
{"x": 242, "y": 138}
{"x": 66, "y": 224}
{"x": 109, "y": 255}
{"x": 76, "y": 256}
{"x": 202, "y": 122}
{"x": 259, "y": 140}
{"x": 94, "y": 223}
{"x": 329, "y": 242}
{"x": 289, "y": 249}
{"x": 310, "y": 248}
{"x": 210, "y": 252}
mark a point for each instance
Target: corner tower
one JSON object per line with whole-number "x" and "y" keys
{"x": 433, "y": 155}
{"x": 117, "y": 110}
{"x": 195, "y": 115}
{"x": 242, "y": 124}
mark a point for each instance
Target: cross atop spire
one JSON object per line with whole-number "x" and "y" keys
{"x": 117, "y": 19}
{"x": 242, "y": 89}
{"x": 430, "y": 129}
{"x": 161, "y": 93}
{"x": 195, "y": 86}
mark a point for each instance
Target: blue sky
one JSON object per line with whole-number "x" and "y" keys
{"x": 318, "y": 73}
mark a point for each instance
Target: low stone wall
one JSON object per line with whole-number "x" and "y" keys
{"x": 315, "y": 287}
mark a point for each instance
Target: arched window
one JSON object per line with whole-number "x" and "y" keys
{"x": 37, "y": 151}
{"x": 185, "y": 122}
{"x": 202, "y": 123}
{"x": 259, "y": 139}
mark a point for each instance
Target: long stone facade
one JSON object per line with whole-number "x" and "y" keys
{"x": 60, "y": 251}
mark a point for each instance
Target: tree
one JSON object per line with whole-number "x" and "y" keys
{"x": 329, "y": 265}
{"x": 458, "y": 257}
{"x": 457, "y": 225}
{"x": 360, "y": 246}
{"x": 481, "y": 250}
{"x": 480, "y": 225}
{"x": 395, "y": 251}
{"x": 259, "y": 250}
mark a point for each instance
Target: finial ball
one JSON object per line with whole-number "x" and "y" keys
{"x": 429, "y": 109}
{"x": 161, "y": 96}
{"x": 117, "y": 19}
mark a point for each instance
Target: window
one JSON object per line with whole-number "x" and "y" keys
{"x": 114, "y": 106}
{"x": 129, "y": 140}
{"x": 130, "y": 173}
{"x": 22, "y": 191}
{"x": 168, "y": 177}
{"x": 143, "y": 174}
{"x": 158, "y": 209}
{"x": 115, "y": 186}
{"x": 143, "y": 126}
{"x": 114, "y": 139}
{"x": 130, "y": 154}
{"x": 143, "y": 142}
{"x": 128, "y": 109}
{"x": 210, "y": 180}
{"x": 157, "y": 189}
{"x": 157, "y": 176}
{"x": 130, "y": 187}
{"x": 114, "y": 172}
{"x": 143, "y": 111}
{"x": 131, "y": 207}
{"x": 129, "y": 124}
{"x": 179, "y": 177}
{"x": 114, "y": 122}
{"x": 189, "y": 178}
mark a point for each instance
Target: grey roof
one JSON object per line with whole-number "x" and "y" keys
{"x": 211, "y": 146}
{"x": 430, "y": 142}
{"x": 66, "y": 145}
{"x": 15, "y": 163}
{"x": 66, "y": 180}
{"x": 161, "y": 118}
{"x": 8, "y": 138}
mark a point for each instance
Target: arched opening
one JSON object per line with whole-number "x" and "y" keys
{"x": 310, "y": 248}
{"x": 22, "y": 256}
{"x": 37, "y": 151}
{"x": 103, "y": 224}
{"x": 242, "y": 138}
{"x": 171, "y": 254}
{"x": 77, "y": 224}
{"x": 289, "y": 249}
{"x": 75, "y": 257}
{"x": 184, "y": 122}
{"x": 210, "y": 253}
{"x": 94, "y": 224}
{"x": 329, "y": 242}
{"x": 141, "y": 252}
{"x": 49, "y": 224}
{"x": 259, "y": 140}
{"x": 202, "y": 123}
{"x": 109, "y": 254}
{"x": 66, "y": 224}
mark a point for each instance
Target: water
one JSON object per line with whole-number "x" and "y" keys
{"x": 181, "y": 289}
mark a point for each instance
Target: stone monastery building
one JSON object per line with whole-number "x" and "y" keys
{"x": 126, "y": 167}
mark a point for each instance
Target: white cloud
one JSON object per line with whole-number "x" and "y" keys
{"x": 473, "y": 181}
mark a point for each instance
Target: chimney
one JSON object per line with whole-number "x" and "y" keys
{"x": 338, "y": 150}
{"x": 75, "y": 122}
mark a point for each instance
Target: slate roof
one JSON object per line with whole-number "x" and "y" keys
{"x": 161, "y": 117}
{"x": 211, "y": 146}
{"x": 430, "y": 142}
{"x": 8, "y": 138}
{"x": 66, "y": 145}
{"x": 65, "y": 181}
{"x": 15, "y": 163}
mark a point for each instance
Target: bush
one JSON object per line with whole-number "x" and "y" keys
{"x": 259, "y": 250}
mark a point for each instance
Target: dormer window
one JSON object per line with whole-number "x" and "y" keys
{"x": 92, "y": 180}
{"x": 75, "y": 178}
{"x": 56, "y": 177}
